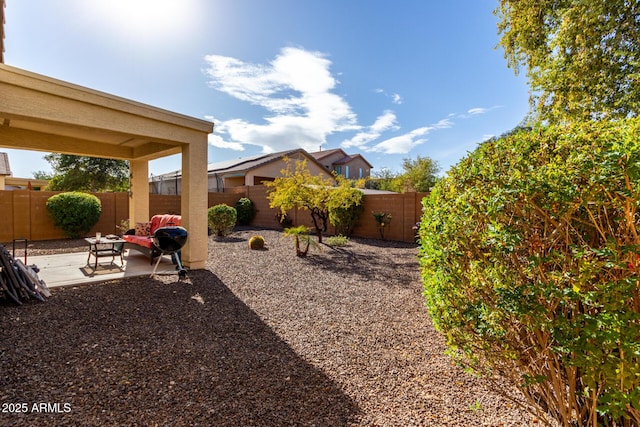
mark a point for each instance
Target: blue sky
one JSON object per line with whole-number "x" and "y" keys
{"x": 387, "y": 79}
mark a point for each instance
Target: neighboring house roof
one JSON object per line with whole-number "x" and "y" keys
{"x": 319, "y": 155}
{"x": 349, "y": 157}
{"x": 5, "y": 169}
{"x": 245, "y": 164}
{"x": 248, "y": 163}
{"x": 346, "y": 158}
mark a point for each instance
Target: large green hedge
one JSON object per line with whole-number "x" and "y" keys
{"x": 74, "y": 212}
{"x": 530, "y": 259}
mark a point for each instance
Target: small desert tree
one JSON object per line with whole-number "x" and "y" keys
{"x": 298, "y": 189}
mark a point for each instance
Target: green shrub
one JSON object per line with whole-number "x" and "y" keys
{"x": 245, "y": 210}
{"x": 530, "y": 260}
{"x": 345, "y": 211}
{"x": 222, "y": 219}
{"x": 338, "y": 240}
{"x": 74, "y": 212}
{"x": 256, "y": 242}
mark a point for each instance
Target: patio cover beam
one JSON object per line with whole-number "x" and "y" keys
{"x": 44, "y": 114}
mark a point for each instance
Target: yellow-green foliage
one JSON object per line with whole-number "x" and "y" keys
{"x": 222, "y": 219}
{"x": 298, "y": 189}
{"x": 256, "y": 242}
{"x": 338, "y": 240}
{"x": 531, "y": 267}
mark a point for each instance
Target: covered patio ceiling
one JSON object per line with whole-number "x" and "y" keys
{"x": 44, "y": 114}
{"x": 38, "y": 112}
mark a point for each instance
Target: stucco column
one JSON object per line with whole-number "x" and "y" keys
{"x": 194, "y": 202}
{"x": 139, "y": 192}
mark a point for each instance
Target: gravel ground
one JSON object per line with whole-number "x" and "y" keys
{"x": 259, "y": 338}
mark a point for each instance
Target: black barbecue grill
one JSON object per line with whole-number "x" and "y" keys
{"x": 169, "y": 240}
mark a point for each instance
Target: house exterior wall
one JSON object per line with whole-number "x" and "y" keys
{"x": 12, "y": 183}
{"x": 330, "y": 159}
{"x": 274, "y": 169}
{"x": 358, "y": 168}
{"x": 234, "y": 181}
{"x": 356, "y": 164}
{"x": 219, "y": 181}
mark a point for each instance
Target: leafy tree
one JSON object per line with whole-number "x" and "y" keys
{"x": 77, "y": 173}
{"x": 530, "y": 262}
{"x": 384, "y": 179}
{"x": 42, "y": 175}
{"x": 582, "y": 56}
{"x": 297, "y": 188}
{"x": 419, "y": 175}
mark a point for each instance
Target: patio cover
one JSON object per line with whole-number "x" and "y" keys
{"x": 44, "y": 114}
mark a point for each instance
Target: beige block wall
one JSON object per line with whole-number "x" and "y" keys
{"x": 6, "y": 211}
{"x": 24, "y": 212}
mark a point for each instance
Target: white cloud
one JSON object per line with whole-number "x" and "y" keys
{"x": 294, "y": 89}
{"x": 385, "y": 122}
{"x": 401, "y": 144}
{"x": 404, "y": 143}
{"x": 476, "y": 111}
{"x": 443, "y": 124}
{"x": 217, "y": 141}
{"x": 395, "y": 98}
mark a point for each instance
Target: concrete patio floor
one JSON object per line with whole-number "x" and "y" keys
{"x": 71, "y": 268}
